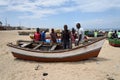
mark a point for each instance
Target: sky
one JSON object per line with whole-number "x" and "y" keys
{"x": 56, "y": 13}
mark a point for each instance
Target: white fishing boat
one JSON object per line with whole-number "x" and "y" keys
{"x": 38, "y": 51}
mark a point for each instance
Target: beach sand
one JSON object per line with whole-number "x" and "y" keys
{"x": 105, "y": 67}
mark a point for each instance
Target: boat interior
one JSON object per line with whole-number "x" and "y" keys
{"x": 43, "y": 46}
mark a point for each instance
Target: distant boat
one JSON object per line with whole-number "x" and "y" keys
{"x": 38, "y": 51}
{"x": 114, "y": 42}
{"x": 25, "y": 32}
{"x": 91, "y": 34}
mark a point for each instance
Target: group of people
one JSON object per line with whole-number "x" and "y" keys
{"x": 68, "y": 38}
{"x": 73, "y": 37}
{"x": 115, "y": 34}
{"x": 39, "y": 36}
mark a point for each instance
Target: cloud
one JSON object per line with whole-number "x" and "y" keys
{"x": 42, "y": 8}
{"x": 49, "y": 3}
{"x": 38, "y": 14}
{"x": 109, "y": 22}
{"x": 37, "y": 8}
{"x": 4, "y": 2}
{"x": 96, "y": 5}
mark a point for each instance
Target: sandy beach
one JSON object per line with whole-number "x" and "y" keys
{"x": 105, "y": 67}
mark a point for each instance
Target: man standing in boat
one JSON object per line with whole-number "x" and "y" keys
{"x": 65, "y": 37}
{"x": 53, "y": 36}
{"x": 43, "y": 35}
{"x": 37, "y": 35}
{"x": 80, "y": 33}
{"x": 73, "y": 37}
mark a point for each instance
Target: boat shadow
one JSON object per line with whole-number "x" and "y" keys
{"x": 96, "y": 60}
{"x": 91, "y": 60}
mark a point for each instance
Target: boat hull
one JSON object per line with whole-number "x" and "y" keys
{"x": 85, "y": 56}
{"x": 114, "y": 42}
{"x": 115, "y": 45}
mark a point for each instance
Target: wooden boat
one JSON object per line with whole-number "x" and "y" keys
{"x": 25, "y": 32}
{"x": 114, "y": 42}
{"x": 38, "y": 51}
{"x": 91, "y": 34}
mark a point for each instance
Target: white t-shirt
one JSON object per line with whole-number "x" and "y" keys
{"x": 81, "y": 31}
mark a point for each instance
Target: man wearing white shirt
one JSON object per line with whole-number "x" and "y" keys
{"x": 80, "y": 33}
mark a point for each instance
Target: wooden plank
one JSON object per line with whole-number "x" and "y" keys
{"x": 25, "y": 44}
{"x": 37, "y": 46}
{"x": 53, "y": 47}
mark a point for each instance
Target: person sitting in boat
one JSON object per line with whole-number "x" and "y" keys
{"x": 95, "y": 33}
{"x": 65, "y": 37}
{"x": 118, "y": 33}
{"x": 110, "y": 34}
{"x": 53, "y": 36}
{"x": 114, "y": 35}
{"x": 37, "y": 35}
{"x": 43, "y": 36}
{"x": 80, "y": 33}
{"x": 73, "y": 36}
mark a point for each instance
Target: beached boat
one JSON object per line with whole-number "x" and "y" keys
{"x": 25, "y": 32}
{"x": 114, "y": 42}
{"x": 91, "y": 34}
{"x": 38, "y": 51}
